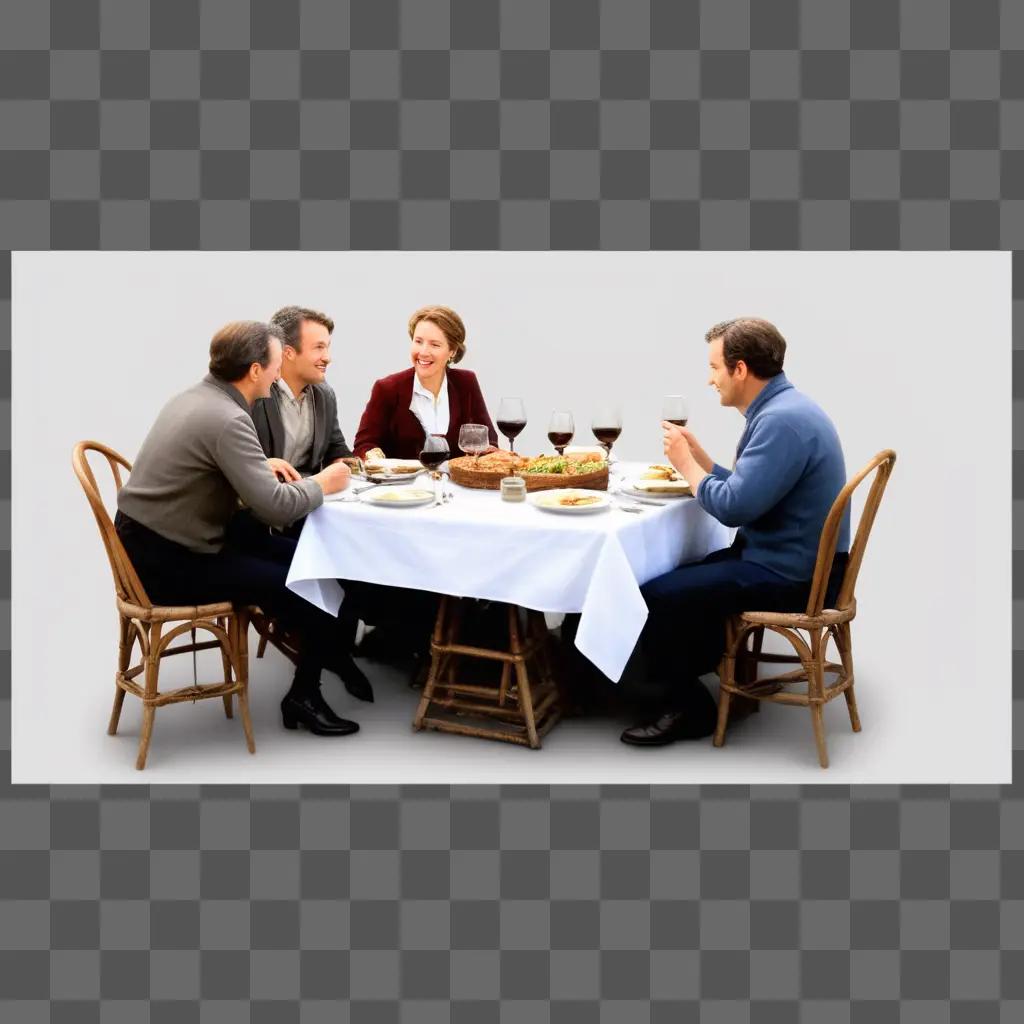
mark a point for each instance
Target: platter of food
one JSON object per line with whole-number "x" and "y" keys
{"x": 540, "y": 473}
{"x": 571, "y": 500}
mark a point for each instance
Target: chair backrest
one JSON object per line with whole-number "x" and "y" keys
{"x": 126, "y": 581}
{"x": 881, "y": 465}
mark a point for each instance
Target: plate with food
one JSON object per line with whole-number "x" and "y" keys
{"x": 397, "y": 497}
{"x": 657, "y": 481}
{"x": 392, "y": 471}
{"x": 571, "y": 500}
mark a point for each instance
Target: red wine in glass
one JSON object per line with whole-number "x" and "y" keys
{"x": 511, "y": 428}
{"x": 559, "y": 439}
{"x": 432, "y": 459}
{"x": 607, "y": 435}
{"x": 679, "y": 423}
{"x": 511, "y": 419}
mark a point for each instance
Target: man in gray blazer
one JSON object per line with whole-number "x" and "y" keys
{"x": 199, "y": 459}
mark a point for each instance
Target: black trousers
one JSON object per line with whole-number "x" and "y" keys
{"x": 406, "y": 615}
{"x": 241, "y": 572}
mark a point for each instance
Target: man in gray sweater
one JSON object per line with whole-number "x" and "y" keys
{"x": 200, "y": 458}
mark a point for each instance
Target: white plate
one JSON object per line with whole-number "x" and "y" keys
{"x": 630, "y": 487}
{"x": 389, "y": 497}
{"x": 547, "y": 501}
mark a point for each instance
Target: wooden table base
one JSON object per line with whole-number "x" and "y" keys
{"x": 520, "y": 708}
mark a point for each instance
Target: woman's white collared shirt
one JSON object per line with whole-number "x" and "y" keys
{"x": 433, "y": 413}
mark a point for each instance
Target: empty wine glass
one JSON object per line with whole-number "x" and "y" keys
{"x": 561, "y": 430}
{"x": 511, "y": 419}
{"x": 473, "y": 439}
{"x": 434, "y": 454}
{"x": 675, "y": 409}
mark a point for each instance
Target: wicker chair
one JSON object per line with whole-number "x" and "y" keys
{"x": 145, "y": 622}
{"x": 818, "y": 622}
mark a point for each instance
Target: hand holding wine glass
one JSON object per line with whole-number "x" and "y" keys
{"x": 511, "y": 419}
{"x": 561, "y": 430}
{"x": 473, "y": 439}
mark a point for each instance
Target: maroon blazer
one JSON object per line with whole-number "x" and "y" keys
{"x": 388, "y": 423}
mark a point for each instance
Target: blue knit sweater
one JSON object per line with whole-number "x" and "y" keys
{"x": 789, "y": 470}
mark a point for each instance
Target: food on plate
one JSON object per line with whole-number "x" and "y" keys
{"x": 571, "y": 499}
{"x": 660, "y": 472}
{"x": 402, "y": 496}
{"x": 393, "y": 466}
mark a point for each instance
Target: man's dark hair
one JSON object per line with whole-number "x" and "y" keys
{"x": 757, "y": 342}
{"x": 289, "y": 319}
{"x": 236, "y": 346}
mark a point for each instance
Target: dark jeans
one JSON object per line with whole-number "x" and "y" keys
{"x": 684, "y": 635}
{"x": 174, "y": 575}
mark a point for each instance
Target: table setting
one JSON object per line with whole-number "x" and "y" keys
{"x": 577, "y": 536}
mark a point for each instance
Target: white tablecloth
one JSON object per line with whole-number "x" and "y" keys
{"x": 480, "y": 546}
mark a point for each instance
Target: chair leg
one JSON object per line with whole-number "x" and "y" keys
{"x": 226, "y": 662}
{"x": 239, "y": 634}
{"x": 724, "y": 699}
{"x": 124, "y": 657}
{"x": 818, "y": 721}
{"x": 522, "y": 677}
{"x": 149, "y": 710}
{"x": 435, "y": 661}
{"x": 842, "y": 636}
{"x": 727, "y": 677}
{"x": 816, "y": 688}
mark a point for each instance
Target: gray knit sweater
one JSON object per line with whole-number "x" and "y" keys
{"x": 201, "y": 456}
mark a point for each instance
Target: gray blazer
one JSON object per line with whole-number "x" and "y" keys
{"x": 328, "y": 440}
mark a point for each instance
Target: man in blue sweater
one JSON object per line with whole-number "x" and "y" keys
{"x": 788, "y": 471}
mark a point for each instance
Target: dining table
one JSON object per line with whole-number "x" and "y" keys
{"x": 477, "y": 545}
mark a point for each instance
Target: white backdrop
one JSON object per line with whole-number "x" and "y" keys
{"x": 904, "y": 350}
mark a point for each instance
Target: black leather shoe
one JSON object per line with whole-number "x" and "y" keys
{"x": 667, "y": 728}
{"x": 312, "y": 711}
{"x": 352, "y": 676}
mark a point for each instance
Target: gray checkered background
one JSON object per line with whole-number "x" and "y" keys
{"x": 474, "y": 124}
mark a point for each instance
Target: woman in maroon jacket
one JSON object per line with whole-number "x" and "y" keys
{"x": 428, "y": 398}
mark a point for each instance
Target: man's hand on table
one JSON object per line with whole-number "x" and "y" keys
{"x": 679, "y": 452}
{"x": 333, "y": 478}
{"x": 284, "y": 471}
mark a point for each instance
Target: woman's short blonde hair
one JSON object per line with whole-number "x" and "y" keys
{"x": 450, "y": 324}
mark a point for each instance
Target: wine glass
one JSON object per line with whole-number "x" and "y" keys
{"x": 434, "y": 454}
{"x": 606, "y": 424}
{"x": 561, "y": 430}
{"x": 511, "y": 419}
{"x": 473, "y": 439}
{"x": 675, "y": 409}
